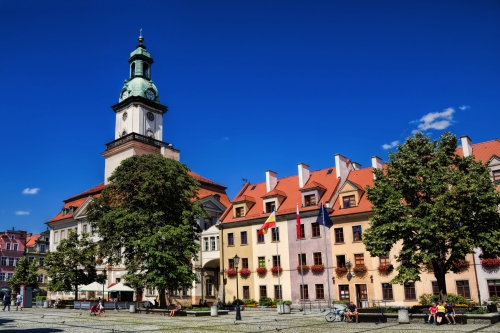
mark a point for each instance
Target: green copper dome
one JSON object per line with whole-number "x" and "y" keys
{"x": 139, "y": 83}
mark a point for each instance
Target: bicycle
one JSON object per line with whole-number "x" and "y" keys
{"x": 336, "y": 315}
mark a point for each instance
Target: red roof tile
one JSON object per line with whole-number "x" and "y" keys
{"x": 274, "y": 193}
{"x": 360, "y": 178}
{"x": 204, "y": 180}
{"x": 32, "y": 240}
{"x": 483, "y": 151}
{"x": 242, "y": 198}
{"x": 311, "y": 185}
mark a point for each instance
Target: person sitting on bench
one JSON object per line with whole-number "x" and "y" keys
{"x": 352, "y": 310}
{"x": 178, "y": 307}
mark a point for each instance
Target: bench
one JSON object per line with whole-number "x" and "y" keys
{"x": 164, "y": 312}
{"x": 458, "y": 312}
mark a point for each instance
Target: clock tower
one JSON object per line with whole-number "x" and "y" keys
{"x": 139, "y": 115}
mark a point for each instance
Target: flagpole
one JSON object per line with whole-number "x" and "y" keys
{"x": 279, "y": 261}
{"x": 326, "y": 256}
{"x": 301, "y": 267}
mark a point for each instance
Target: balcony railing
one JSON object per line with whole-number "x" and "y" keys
{"x": 136, "y": 137}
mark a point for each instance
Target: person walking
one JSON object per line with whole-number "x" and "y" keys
{"x": 6, "y": 301}
{"x": 19, "y": 301}
{"x": 100, "y": 307}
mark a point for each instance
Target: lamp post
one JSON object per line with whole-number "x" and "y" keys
{"x": 103, "y": 279}
{"x": 236, "y": 261}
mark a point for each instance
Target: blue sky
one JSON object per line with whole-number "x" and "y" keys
{"x": 250, "y": 85}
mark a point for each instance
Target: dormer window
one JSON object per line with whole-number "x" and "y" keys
{"x": 309, "y": 200}
{"x": 270, "y": 206}
{"x": 64, "y": 211}
{"x": 71, "y": 209}
{"x": 349, "y": 201}
{"x": 239, "y": 211}
{"x": 496, "y": 176}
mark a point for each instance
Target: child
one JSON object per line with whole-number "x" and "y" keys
{"x": 432, "y": 314}
{"x": 440, "y": 313}
{"x": 100, "y": 306}
{"x": 450, "y": 314}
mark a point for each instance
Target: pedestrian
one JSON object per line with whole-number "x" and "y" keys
{"x": 450, "y": 314}
{"x": 440, "y": 313}
{"x": 19, "y": 301}
{"x": 6, "y": 301}
{"x": 432, "y": 314}
{"x": 352, "y": 310}
{"x": 100, "y": 306}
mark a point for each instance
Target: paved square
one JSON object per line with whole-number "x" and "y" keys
{"x": 51, "y": 320}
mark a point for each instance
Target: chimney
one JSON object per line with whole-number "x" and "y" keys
{"x": 376, "y": 163}
{"x": 303, "y": 174}
{"x": 341, "y": 166}
{"x": 466, "y": 145}
{"x": 356, "y": 165}
{"x": 271, "y": 180}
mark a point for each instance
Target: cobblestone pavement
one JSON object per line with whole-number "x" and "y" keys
{"x": 50, "y": 320}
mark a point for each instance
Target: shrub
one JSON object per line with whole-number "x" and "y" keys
{"x": 265, "y": 301}
{"x": 457, "y": 299}
{"x": 427, "y": 299}
{"x": 285, "y": 302}
{"x": 40, "y": 298}
{"x": 345, "y": 302}
{"x": 249, "y": 301}
{"x": 238, "y": 300}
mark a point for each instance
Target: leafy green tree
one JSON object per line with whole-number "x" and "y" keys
{"x": 72, "y": 264}
{"x": 146, "y": 219}
{"x": 437, "y": 205}
{"x": 25, "y": 273}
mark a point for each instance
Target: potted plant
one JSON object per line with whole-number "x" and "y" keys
{"x": 284, "y": 307}
{"x": 231, "y": 272}
{"x": 245, "y": 272}
{"x": 261, "y": 270}
{"x": 490, "y": 262}
{"x": 341, "y": 270}
{"x": 277, "y": 269}
{"x": 303, "y": 268}
{"x": 360, "y": 269}
{"x": 318, "y": 268}
{"x": 385, "y": 269}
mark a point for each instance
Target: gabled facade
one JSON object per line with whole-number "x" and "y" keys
{"x": 12, "y": 248}
{"x": 36, "y": 248}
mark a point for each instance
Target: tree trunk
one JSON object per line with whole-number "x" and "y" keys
{"x": 76, "y": 292}
{"x": 440, "y": 275}
{"x": 161, "y": 296}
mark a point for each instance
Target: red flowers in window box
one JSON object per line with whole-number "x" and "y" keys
{"x": 231, "y": 272}
{"x": 303, "y": 268}
{"x": 360, "y": 269}
{"x": 385, "y": 269}
{"x": 461, "y": 265}
{"x": 317, "y": 268}
{"x": 491, "y": 262}
{"x": 245, "y": 272}
{"x": 277, "y": 269}
{"x": 340, "y": 270}
{"x": 261, "y": 271}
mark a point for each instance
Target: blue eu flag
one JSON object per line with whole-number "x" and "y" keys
{"x": 324, "y": 218}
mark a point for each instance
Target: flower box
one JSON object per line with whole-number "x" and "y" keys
{"x": 341, "y": 270}
{"x": 360, "y": 269}
{"x": 245, "y": 272}
{"x": 277, "y": 269}
{"x": 317, "y": 268}
{"x": 385, "y": 269}
{"x": 231, "y": 272}
{"x": 461, "y": 265}
{"x": 261, "y": 271}
{"x": 303, "y": 268}
{"x": 490, "y": 263}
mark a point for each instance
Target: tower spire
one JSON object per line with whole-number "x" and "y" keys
{"x": 141, "y": 39}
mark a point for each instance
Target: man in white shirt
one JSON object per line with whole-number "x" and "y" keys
{"x": 19, "y": 300}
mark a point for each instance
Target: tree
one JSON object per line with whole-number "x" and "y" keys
{"x": 438, "y": 205}
{"x": 146, "y": 219}
{"x": 72, "y": 264}
{"x": 25, "y": 273}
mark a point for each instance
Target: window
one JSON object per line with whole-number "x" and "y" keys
{"x": 11, "y": 261}
{"x": 12, "y": 237}
{"x": 85, "y": 228}
{"x": 349, "y": 201}
{"x": 315, "y": 230}
{"x": 309, "y": 200}
{"x": 151, "y": 291}
{"x": 30, "y": 259}
{"x": 9, "y": 246}
{"x": 303, "y": 257}
{"x": 276, "y": 261}
{"x": 410, "y": 291}
{"x": 56, "y": 237}
{"x": 262, "y": 291}
{"x": 435, "y": 288}
{"x": 212, "y": 244}
{"x": 4, "y": 261}
{"x": 42, "y": 248}
{"x": 341, "y": 261}
{"x": 239, "y": 211}
{"x": 40, "y": 262}
{"x": 260, "y": 237}
{"x": 304, "y": 291}
{"x": 205, "y": 243}
{"x": 218, "y": 245}
{"x": 275, "y": 232}
{"x": 387, "y": 291}
{"x": 317, "y": 258}
{"x": 463, "y": 288}
{"x": 262, "y": 262}
{"x": 2, "y": 276}
{"x": 384, "y": 260}
{"x": 9, "y": 276}
{"x": 244, "y": 263}
{"x": 93, "y": 229}
{"x": 339, "y": 235}
{"x": 496, "y": 176}
{"x": 17, "y": 261}
{"x": 246, "y": 292}
{"x": 356, "y": 233}
{"x": 40, "y": 278}
{"x": 320, "y": 291}
{"x": 208, "y": 223}
{"x": 359, "y": 259}
{"x": 209, "y": 287}
{"x": 494, "y": 287}
{"x": 185, "y": 291}
{"x": 302, "y": 232}
{"x": 16, "y": 247}
{"x": 230, "y": 239}
{"x": 244, "y": 239}
{"x": 63, "y": 235}
{"x": 270, "y": 206}
{"x": 231, "y": 263}
{"x": 277, "y": 292}
{"x": 344, "y": 292}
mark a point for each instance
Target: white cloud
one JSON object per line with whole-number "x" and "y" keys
{"x": 390, "y": 145}
{"x": 435, "y": 120}
{"x": 31, "y": 190}
{"x": 464, "y": 107}
{"x": 21, "y": 212}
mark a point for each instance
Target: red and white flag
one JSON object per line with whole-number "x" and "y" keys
{"x": 299, "y": 235}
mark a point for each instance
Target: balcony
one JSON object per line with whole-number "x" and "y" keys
{"x": 136, "y": 137}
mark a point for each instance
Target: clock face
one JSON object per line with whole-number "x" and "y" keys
{"x": 125, "y": 94}
{"x": 150, "y": 94}
{"x": 125, "y": 116}
{"x": 150, "y": 116}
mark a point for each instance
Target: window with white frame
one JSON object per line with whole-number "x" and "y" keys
{"x": 10, "y": 275}
{"x": 205, "y": 243}
{"x": 2, "y": 276}
{"x": 11, "y": 261}
{"x": 56, "y": 237}
{"x": 8, "y": 246}
{"x": 12, "y": 236}
{"x": 17, "y": 261}
{"x": 212, "y": 244}
{"x": 16, "y": 247}
{"x": 42, "y": 248}
{"x": 63, "y": 234}
{"x": 40, "y": 262}
{"x": 4, "y": 261}
{"x": 40, "y": 278}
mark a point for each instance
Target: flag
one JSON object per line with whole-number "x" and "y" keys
{"x": 324, "y": 218}
{"x": 270, "y": 222}
{"x": 299, "y": 235}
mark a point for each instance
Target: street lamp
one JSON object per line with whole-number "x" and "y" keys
{"x": 103, "y": 279}
{"x": 236, "y": 261}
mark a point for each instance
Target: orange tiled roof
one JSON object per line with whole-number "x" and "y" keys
{"x": 273, "y": 193}
{"x": 483, "y": 151}
{"x": 311, "y": 185}
{"x": 32, "y": 240}
{"x": 360, "y": 178}
{"x": 224, "y": 199}
{"x": 203, "y": 179}
{"x": 290, "y": 187}
{"x": 244, "y": 198}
